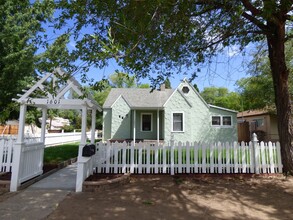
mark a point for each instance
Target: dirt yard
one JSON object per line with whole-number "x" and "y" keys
{"x": 181, "y": 197}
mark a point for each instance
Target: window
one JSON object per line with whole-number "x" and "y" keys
{"x": 227, "y": 120}
{"x": 259, "y": 122}
{"x": 216, "y": 120}
{"x": 177, "y": 122}
{"x": 224, "y": 121}
{"x": 185, "y": 89}
{"x": 146, "y": 122}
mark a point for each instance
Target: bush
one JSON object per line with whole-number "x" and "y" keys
{"x": 68, "y": 128}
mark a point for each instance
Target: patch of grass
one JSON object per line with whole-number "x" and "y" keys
{"x": 147, "y": 202}
{"x": 178, "y": 180}
{"x": 57, "y": 154}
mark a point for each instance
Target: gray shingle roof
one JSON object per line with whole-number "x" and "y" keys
{"x": 139, "y": 98}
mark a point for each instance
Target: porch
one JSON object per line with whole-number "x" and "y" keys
{"x": 137, "y": 125}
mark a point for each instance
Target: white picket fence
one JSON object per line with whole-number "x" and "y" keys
{"x": 32, "y": 157}
{"x": 188, "y": 157}
{"x": 6, "y": 154}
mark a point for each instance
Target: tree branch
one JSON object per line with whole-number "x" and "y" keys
{"x": 255, "y": 21}
{"x": 254, "y": 11}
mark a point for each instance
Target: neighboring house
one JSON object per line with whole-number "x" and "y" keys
{"x": 178, "y": 114}
{"x": 57, "y": 123}
{"x": 261, "y": 122}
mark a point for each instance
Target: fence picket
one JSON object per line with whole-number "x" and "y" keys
{"x": 227, "y": 157}
{"x": 148, "y": 159}
{"x": 2, "y": 146}
{"x": 156, "y": 157}
{"x": 140, "y": 146}
{"x": 235, "y": 157}
{"x": 212, "y": 158}
{"x": 219, "y": 149}
{"x": 244, "y": 157}
{"x": 271, "y": 157}
{"x": 124, "y": 152}
{"x": 132, "y": 157}
{"x": 204, "y": 162}
{"x": 263, "y": 158}
{"x": 195, "y": 150}
{"x": 164, "y": 159}
{"x": 278, "y": 150}
{"x": 179, "y": 158}
{"x": 187, "y": 157}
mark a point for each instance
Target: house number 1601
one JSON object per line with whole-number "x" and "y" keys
{"x": 53, "y": 101}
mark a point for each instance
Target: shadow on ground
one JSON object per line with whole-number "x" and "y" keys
{"x": 166, "y": 197}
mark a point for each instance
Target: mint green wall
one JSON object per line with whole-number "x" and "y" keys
{"x": 222, "y": 134}
{"x": 121, "y": 120}
{"x": 107, "y": 124}
{"x": 197, "y": 119}
{"x": 194, "y": 116}
{"x": 151, "y": 135}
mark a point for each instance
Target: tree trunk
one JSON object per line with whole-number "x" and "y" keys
{"x": 280, "y": 73}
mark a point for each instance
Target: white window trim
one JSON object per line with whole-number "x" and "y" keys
{"x": 221, "y": 121}
{"x": 183, "y": 121}
{"x": 145, "y": 113}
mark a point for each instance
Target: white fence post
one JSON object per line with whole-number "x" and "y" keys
{"x": 255, "y": 154}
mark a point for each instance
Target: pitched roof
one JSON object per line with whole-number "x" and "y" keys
{"x": 139, "y": 98}
{"x": 252, "y": 113}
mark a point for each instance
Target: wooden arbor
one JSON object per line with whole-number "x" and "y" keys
{"x": 55, "y": 90}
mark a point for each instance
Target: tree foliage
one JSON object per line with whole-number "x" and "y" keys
{"x": 167, "y": 83}
{"x": 122, "y": 80}
{"x": 222, "y": 97}
{"x": 20, "y": 25}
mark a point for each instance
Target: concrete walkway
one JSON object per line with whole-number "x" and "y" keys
{"x": 41, "y": 198}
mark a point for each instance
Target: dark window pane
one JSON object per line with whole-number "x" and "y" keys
{"x": 227, "y": 120}
{"x": 177, "y": 121}
{"x": 146, "y": 122}
{"x": 216, "y": 120}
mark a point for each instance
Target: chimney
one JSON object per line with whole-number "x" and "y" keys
{"x": 163, "y": 87}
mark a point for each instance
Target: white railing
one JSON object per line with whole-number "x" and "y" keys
{"x": 189, "y": 158}
{"x": 31, "y": 154}
{"x": 6, "y": 153}
{"x": 51, "y": 139}
{"x": 32, "y": 161}
{"x": 85, "y": 168}
{"x": 61, "y": 138}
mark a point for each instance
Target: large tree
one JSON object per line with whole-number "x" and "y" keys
{"x": 20, "y": 23}
{"x": 165, "y": 36}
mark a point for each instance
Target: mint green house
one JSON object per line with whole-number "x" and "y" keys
{"x": 178, "y": 114}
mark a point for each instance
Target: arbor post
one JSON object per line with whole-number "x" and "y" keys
{"x": 80, "y": 159}
{"x": 17, "y": 150}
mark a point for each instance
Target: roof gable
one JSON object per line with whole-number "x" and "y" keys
{"x": 139, "y": 98}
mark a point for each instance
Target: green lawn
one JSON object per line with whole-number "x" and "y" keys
{"x": 60, "y": 153}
